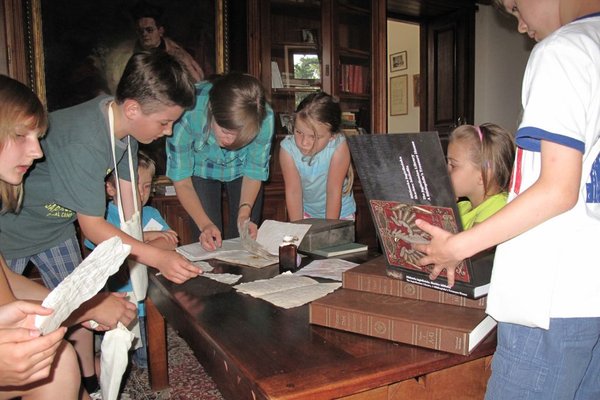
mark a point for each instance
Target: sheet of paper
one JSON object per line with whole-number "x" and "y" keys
{"x": 226, "y": 278}
{"x": 243, "y": 257}
{"x": 331, "y": 268}
{"x": 287, "y": 290}
{"x": 195, "y": 251}
{"x": 83, "y": 283}
{"x": 271, "y": 233}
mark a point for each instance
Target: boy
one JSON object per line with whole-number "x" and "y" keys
{"x": 68, "y": 184}
{"x": 156, "y": 233}
{"x": 545, "y": 288}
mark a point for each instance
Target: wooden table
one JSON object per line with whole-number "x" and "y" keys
{"x": 254, "y": 350}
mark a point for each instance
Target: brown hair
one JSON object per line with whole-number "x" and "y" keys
{"x": 238, "y": 102}
{"x": 20, "y": 107}
{"x": 493, "y": 150}
{"x": 323, "y": 108}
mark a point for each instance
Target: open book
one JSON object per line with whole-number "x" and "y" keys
{"x": 404, "y": 177}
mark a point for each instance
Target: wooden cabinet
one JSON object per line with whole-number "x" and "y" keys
{"x": 313, "y": 45}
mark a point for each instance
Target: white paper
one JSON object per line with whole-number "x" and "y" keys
{"x": 243, "y": 257}
{"x": 195, "y": 251}
{"x": 287, "y": 290}
{"x": 83, "y": 283}
{"x": 271, "y": 233}
{"x": 331, "y": 268}
{"x": 114, "y": 360}
{"x": 229, "y": 279}
{"x": 153, "y": 226}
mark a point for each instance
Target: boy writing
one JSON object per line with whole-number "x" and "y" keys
{"x": 68, "y": 184}
{"x": 546, "y": 301}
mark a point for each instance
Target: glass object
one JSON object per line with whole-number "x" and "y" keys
{"x": 288, "y": 254}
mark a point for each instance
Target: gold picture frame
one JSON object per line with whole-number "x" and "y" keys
{"x": 399, "y": 95}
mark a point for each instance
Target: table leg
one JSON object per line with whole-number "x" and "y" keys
{"x": 157, "y": 348}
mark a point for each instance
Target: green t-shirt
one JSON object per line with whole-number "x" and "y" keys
{"x": 470, "y": 216}
{"x": 68, "y": 180}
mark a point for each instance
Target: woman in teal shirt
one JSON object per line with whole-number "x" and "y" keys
{"x": 225, "y": 140}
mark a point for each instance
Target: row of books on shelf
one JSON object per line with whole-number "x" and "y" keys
{"x": 404, "y": 177}
{"x": 354, "y": 79}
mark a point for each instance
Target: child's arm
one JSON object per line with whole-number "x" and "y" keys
{"x": 555, "y": 192}
{"x": 172, "y": 265}
{"x": 210, "y": 236}
{"x": 293, "y": 186}
{"x": 248, "y": 194}
{"x": 338, "y": 169}
{"x": 166, "y": 240}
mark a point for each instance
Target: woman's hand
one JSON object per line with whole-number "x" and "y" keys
{"x": 210, "y": 238}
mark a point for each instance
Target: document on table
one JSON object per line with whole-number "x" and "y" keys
{"x": 269, "y": 237}
{"x": 287, "y": 290}
{"x": 331, "y": 268}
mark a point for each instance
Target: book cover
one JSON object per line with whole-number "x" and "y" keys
{"x": 372, "y": 276}
{"x": 339, "y": 250}
{"x": 405, "y": 178}
{"x": 421, "y": 323}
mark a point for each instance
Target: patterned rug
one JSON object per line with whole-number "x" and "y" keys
{"x": 187, "y": 378}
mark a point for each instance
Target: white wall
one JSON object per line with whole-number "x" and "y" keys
{"x": 404, "y": 37}
{"x": 500, "y": 57}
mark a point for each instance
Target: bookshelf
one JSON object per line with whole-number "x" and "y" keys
{"x": 310, "y": 45}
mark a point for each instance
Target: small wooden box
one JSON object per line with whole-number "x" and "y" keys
{"x": 326, "y": 233}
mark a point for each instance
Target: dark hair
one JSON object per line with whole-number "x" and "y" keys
{"x": 144, "y": 9}
{"x": 19, "y": 106}
{"x": 237, "y": 102}
{"x": 156, "y": 79}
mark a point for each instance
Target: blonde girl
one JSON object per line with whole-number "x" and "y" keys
{"x": 480, "y": 159}
{"x": 315, "y": 162}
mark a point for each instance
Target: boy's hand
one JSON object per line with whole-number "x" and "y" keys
{"x": 109, "y": 308}
{"x": 176, "y": 268}
{"x": 438, "y": 251}
{"x": 210, "y": 238}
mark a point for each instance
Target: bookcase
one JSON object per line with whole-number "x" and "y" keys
{"x": 310, "y": 45}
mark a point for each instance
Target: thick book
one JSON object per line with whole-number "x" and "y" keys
{"x": 421, "y": 323}
{"x": 339, "y": 250}
{"x": 372, "y": 276}
{"x": 405, "y": 178}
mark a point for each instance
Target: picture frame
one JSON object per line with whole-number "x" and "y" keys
{"x": 69, "y": 39}
{"x": 399, "y": 95}
{"x": 399, "y": 61}
{"x": 417, "y": 90}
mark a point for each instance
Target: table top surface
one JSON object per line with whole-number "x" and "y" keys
{"x": 276, "y": 351}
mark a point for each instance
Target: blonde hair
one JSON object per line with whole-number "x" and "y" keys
{"x": 323, "y": 108}
{"x": 493, "y": 149}
{"x": 237, "y": 102}
{"x": 20, "y": 107}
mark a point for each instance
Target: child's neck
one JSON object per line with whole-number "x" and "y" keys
{"x": 117, "y": 111}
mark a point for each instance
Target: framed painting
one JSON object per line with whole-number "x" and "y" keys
{"x": 79, "y": 48}
{"x": 398, "y": 61}
{"x": 399, "y": 95}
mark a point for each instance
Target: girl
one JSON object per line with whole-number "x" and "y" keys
{"x": 315, "y": 162}
{"x": 479, "y": 163}
{"x": 225, "y": 140}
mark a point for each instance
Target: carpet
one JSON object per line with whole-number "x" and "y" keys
{"x": 187, "y": 378}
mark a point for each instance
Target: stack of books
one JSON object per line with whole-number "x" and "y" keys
{"x": 372, "y": 303}
{"x": 405, "y": 178}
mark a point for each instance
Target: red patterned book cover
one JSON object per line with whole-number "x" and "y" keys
{"x": 404, "y": 178}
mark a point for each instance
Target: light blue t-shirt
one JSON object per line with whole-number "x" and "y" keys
{"x": 314, "y": 178}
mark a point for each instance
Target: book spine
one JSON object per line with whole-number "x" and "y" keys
{"x": 399, "y": 288}
{"x": 389, "y": 328}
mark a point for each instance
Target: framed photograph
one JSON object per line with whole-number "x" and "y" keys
{"x": 399, "y": 95}
{"x": 80, "y": 47}
{"x": 287, "y": 123}
{"x": 417, "y": 90}
{"x": 398, "y": 61}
